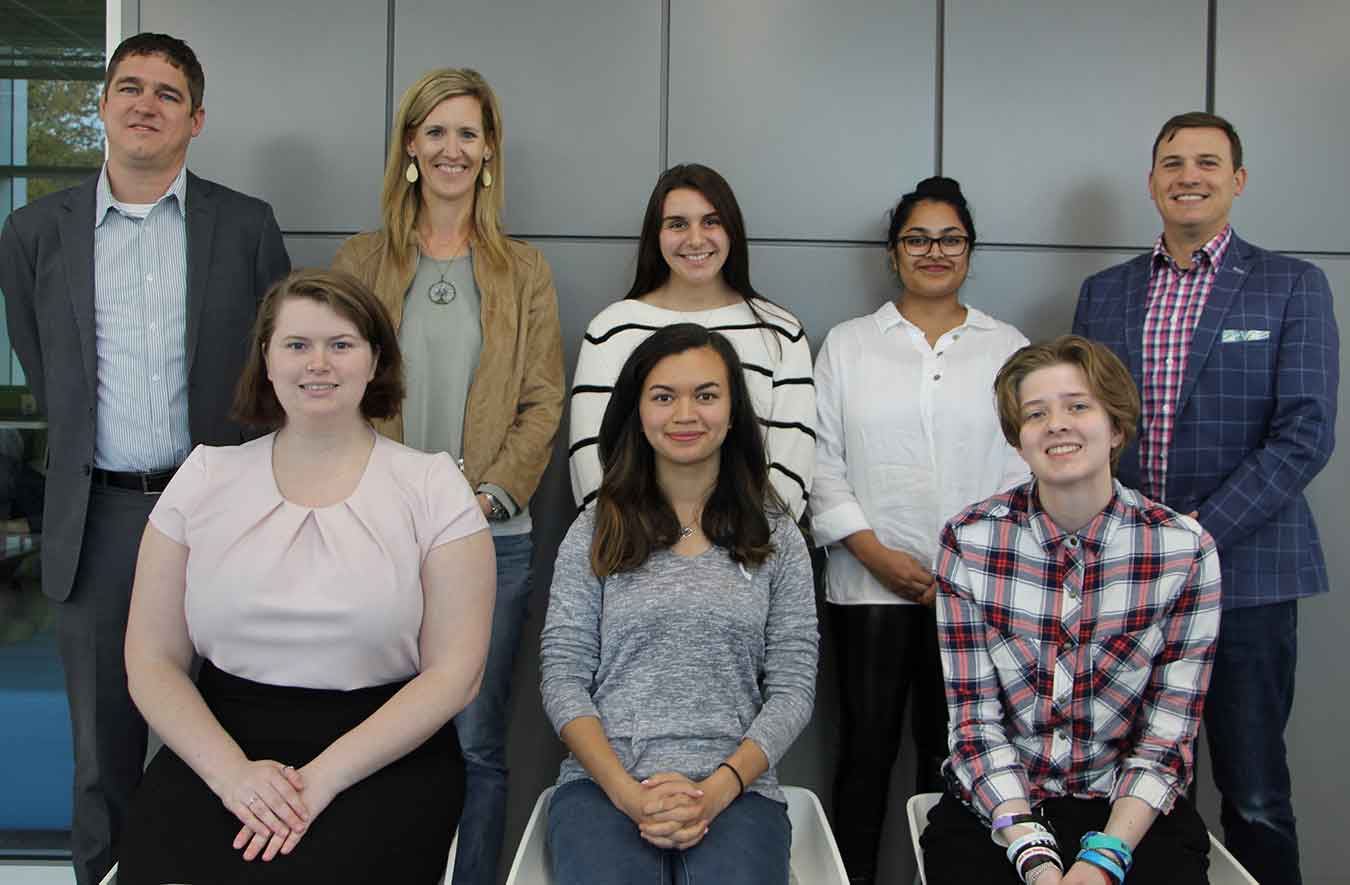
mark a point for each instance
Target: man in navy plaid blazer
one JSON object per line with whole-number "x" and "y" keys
{"x": 1235, "y": 352}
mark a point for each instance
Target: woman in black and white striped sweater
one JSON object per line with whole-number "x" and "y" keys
{"x": 694, "y": 267}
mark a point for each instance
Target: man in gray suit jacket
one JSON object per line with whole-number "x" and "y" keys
{"x": 130, "y": 299}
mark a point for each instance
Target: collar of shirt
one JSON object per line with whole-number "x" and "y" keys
{"x": 1211, "y": 253}
{"x": 888, "y": 316}
{"x": 104, "y": 199}
{"x": 1094, "y": 537}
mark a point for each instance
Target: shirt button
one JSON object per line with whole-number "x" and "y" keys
{"x": 1073, "y": 542}
{"x": 149, "y": 278}
{"x": 956, "y": 337}
{"x": 154, "y": 377}
{"x": 1073, "y": 592}
{"x": 152, "y": 327}
{"x": 937, "y": 377}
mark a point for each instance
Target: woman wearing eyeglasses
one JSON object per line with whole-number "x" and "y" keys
{"x": 907, "y": 437}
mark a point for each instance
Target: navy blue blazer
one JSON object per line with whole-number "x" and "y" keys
{"x": 1256, "y": 417}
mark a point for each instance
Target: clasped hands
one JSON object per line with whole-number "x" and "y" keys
{"x": 671, "y": 811}
{"x": 275, "y": 803}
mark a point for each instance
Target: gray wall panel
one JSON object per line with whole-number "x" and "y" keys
{"x": 1280, "y": 77}
{"x": 1321, "y": 717}
{"x": 1050, "y": 107}
{"x": 306, "y": 251}
{"x": 580, "y": 90}
{"x": 294, "y": 112}
{"x": 819, "y": 115}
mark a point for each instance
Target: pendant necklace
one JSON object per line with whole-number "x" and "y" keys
{"x": 443, "y": 291}
{"x": 686, "y": 531}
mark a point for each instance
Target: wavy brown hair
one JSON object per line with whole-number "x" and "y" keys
{"x": 632, "y": 516}
{"x": 1108, "y": 381}
{"x": 255, "y": 401}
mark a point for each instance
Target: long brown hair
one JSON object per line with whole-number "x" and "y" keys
{"x": 400, "y": 202}
{"x": 632, "y": 516}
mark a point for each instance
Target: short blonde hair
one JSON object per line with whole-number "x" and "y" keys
{"x": 1108, "y": 381}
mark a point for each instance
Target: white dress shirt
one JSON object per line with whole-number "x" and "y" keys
{"x": 907, "y": 437}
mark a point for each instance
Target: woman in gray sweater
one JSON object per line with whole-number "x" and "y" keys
{"x": 679, "y": 651}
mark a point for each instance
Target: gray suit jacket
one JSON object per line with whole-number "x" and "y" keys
{"x": 235, "y": 252}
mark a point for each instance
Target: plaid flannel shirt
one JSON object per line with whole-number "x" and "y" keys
{"x": 1076, "y": 664}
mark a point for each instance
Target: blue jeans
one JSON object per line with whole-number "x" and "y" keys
{"x": 593, "y": 843}
{"x": 481, "y": 726}
{"x": 1246, "y": 710}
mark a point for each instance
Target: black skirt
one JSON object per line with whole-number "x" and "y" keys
{"x": 394, "y": 826}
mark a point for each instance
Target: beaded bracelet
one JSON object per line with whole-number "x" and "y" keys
{"x": 1036, "y": 856}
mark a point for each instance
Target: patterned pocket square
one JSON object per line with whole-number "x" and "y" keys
{"x": 1237, "y": 336}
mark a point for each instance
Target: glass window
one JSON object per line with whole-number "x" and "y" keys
{"x": 51, "y": 73}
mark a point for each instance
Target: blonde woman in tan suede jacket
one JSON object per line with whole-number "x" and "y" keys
{"x": 477, "y": 318}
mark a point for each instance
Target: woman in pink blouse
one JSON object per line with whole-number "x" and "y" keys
{"x": 338, "y": 587}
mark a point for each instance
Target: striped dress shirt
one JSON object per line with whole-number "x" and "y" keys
{"x": 140, "y": 320}
{"x": 1076, "y": 664}
{"x": 1176, "y": 298}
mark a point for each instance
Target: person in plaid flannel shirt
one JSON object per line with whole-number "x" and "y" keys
{"x": 1077, "y": 622}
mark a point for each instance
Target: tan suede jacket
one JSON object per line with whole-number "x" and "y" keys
{"x": 516, "y": 398}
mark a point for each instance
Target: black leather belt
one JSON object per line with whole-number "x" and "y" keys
{"x": 147, "y": 483}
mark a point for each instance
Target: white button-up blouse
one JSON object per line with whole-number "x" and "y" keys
{"x": 907, "y": 437}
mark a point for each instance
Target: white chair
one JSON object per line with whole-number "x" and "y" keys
{"x": 815, "y": 856}
{"x": 1223, "y": 867}
{"x": 916, "y": 809}
{"x": 111, "y": 878}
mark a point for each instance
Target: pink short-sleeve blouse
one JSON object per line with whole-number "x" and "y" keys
{"x": 313, "y": 597}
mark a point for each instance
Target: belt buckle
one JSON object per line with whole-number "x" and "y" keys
{"x": 145, "y": 485}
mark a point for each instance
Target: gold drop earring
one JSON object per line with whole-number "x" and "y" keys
{"x": 411, "y": 172}
{"x": 487, "y": 173}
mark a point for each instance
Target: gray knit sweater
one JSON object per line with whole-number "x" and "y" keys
{"x": 684, "y": 657}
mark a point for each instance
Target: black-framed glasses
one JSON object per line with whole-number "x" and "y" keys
{"x": 950, "y": 245}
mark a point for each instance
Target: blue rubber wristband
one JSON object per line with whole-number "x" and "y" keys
{"x": 1100, "y": 841}
{"x": 1101, "y": 861}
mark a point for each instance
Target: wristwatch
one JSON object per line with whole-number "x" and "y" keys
{"x": 497, "y": 511}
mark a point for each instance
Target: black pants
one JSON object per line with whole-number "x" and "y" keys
{"x": 957, "y": 848}
{"x": 887, "y": 653}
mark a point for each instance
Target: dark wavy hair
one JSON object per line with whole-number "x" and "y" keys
{"x": 936, "y": 190}
{"x": 632, "y": 516}
{"x": 255, "y": 400}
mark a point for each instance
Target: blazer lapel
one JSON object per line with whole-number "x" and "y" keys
{"x": 201, "y": 234}
{"x": 77, "y": 248}
{"x": 1228, "y": 282}
{"x": 1136, "y": 296}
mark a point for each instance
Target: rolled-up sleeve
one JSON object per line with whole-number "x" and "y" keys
{"x": 983, "y": 759}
